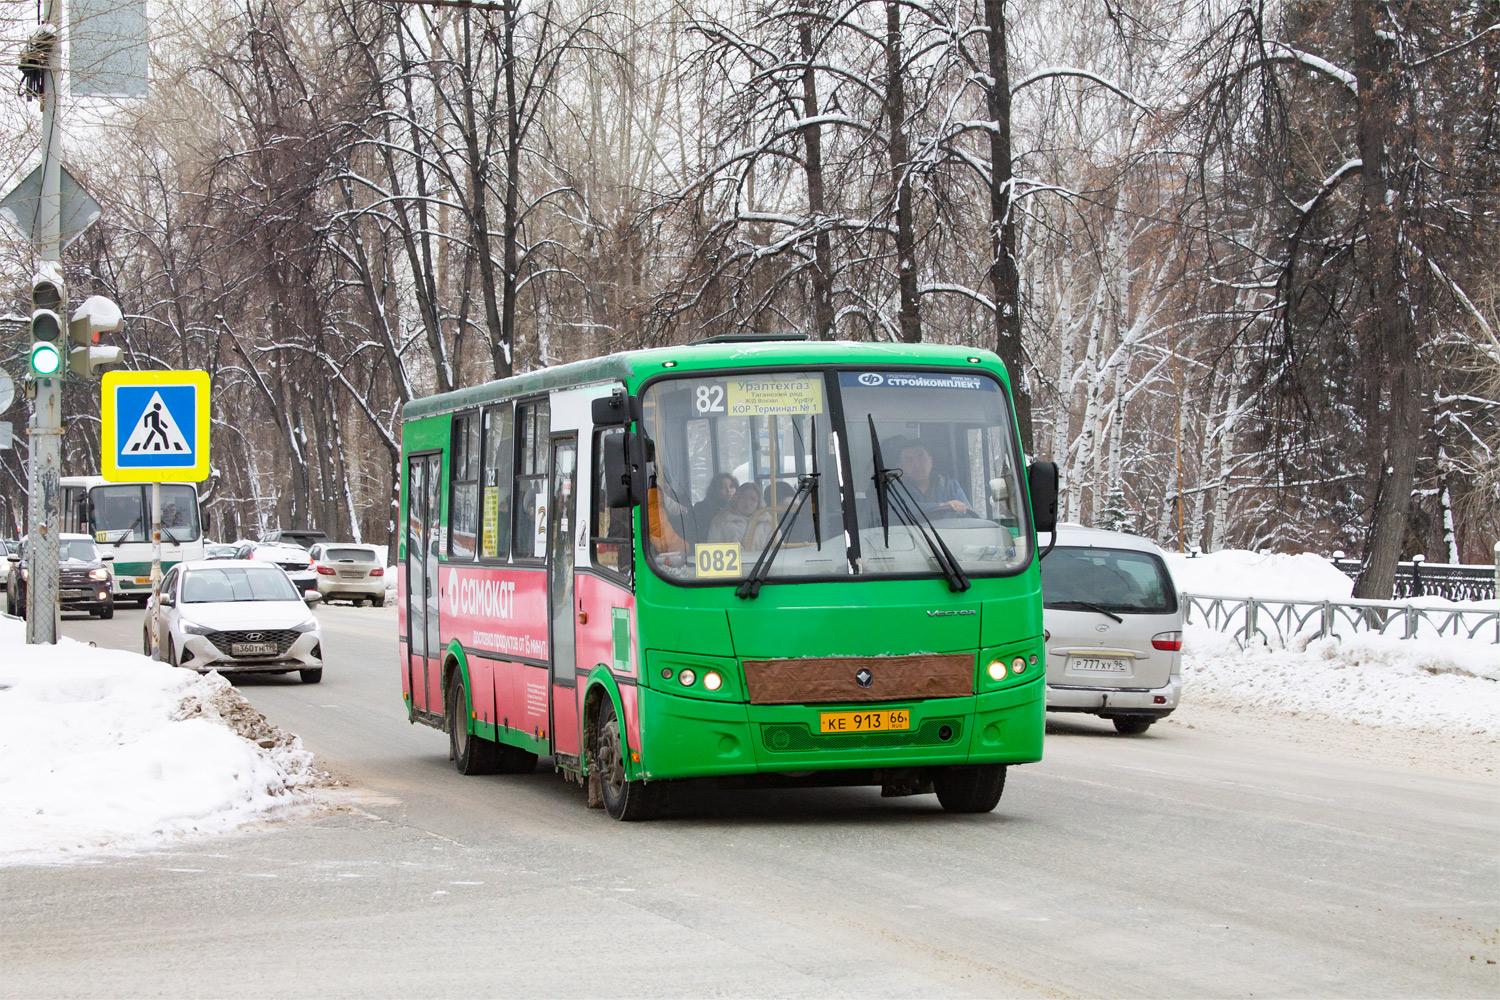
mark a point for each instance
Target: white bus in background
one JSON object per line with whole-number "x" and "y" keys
{"x": 118, "y": 516}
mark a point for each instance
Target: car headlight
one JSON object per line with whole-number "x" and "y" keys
{"x": 99, "y": 574}
{"x": 311, "y": 625}
{"x": 192, "y": 629}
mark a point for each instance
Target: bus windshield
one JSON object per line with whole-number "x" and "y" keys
{"x": 735, "y": 455}
{"x": 123, "y": 513}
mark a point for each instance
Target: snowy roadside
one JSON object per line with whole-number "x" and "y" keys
{"x": 104, "y": 750}
{"x": 1418, "y": 699}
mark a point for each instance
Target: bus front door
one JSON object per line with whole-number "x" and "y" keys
{"x": 423, "y": 680}
{"x": 563, "y": 680}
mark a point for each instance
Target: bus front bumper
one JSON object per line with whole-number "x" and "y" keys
{"x": 685, "y": 737}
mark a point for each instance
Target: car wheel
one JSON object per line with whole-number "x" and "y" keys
{"x": 471, "y": 754}
{"x": 311, "y": 676}
{"x": 108, "y": 611}
{"x": 378, "y": 602}
{"x": 970, "y": 788}
{"x": 146, "y": 641}
{"x": 1132, "y": 725}
{"x": 623, "y": 800}
{"x": 171, "y": 651}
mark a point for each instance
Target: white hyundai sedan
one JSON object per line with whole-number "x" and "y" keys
{"x": 233, "y": 616}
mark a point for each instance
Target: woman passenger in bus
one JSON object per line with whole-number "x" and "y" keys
{"x": 720, "y": 492}
{"x": 733, "y": 522}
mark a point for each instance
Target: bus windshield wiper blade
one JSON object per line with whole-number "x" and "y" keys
{"x": 126, "y": 533}
{"x": 171, "y": 536}
{"x": 911, "y": 510}
{"x": 1088, "y": 606}
{"x": 806, "y": 486}
{"x": 882, "y": 485}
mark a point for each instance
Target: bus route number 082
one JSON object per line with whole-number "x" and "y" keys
{"x": 717, "y": 559}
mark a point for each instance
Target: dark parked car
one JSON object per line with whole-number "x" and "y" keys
{"x": 84, "y": 579}
{"x": 304, "y": 537}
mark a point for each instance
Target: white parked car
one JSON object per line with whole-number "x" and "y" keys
{"x": 234, "y": 616}
{"x": 296, "y": 560}
{"x": 349, "y": 572}
{"x": 1113, "y": 628}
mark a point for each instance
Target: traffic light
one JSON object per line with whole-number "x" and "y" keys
{"x": 46, "y": 328}
{"x": 94, "y": 316}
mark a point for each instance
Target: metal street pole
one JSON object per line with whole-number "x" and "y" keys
{"x": 46, "y": 416}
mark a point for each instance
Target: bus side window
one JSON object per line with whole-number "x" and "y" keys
{"x": 533, "y": 421}
{"x": 610, "y": 546}
{"x": 498, "y": 479}
{"x": 463, "y": 477}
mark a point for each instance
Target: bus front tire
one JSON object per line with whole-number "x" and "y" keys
{"x": 623, "y": 800}
{"x": 970, "y": 788}
{"x": 471, "y": 754}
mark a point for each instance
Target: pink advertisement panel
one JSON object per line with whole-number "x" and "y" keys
{"x": 502, "y": 612}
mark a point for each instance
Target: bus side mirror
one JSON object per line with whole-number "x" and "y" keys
{"x": 208, "y": 522}
{"x": 619, "y": 482}
{"x": 612, "y": 410}
{"x": 1041, "y": 480}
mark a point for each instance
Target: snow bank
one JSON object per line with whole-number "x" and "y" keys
{"x": 1367, "y": 678}
{"x": 1239, "y": 573}
{"x": 107, "y": 750}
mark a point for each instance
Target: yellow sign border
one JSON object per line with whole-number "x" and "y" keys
{"x": 108, "y": 426}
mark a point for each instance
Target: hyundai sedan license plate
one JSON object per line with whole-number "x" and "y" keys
{"x": 1100, "y": 664}
{"x": 864, "y": 722}
{"x": 253, "y": 649}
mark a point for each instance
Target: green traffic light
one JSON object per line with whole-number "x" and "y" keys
{"x": 46, "y": 359}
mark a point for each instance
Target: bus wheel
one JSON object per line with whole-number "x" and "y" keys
{"x": 471, "y": 754}
{"x": 969, "y": 788}
{"x": 626, "y": 800}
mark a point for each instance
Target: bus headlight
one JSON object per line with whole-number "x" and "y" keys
{"x": 1018, "y": 665}
{"x": 712, "y": 681}
{"x": 997, "y": 670}
{"x": 686, "y": 676}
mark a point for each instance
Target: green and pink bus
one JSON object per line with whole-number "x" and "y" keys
{"x": 750, "y": 560}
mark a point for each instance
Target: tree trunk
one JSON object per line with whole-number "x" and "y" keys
{"x": 906, "y": 239}
{"x": 1005, "y": 278}
{"x": 479, "y": 216}
{"x": 1390, "y": 308}
{"x": 812, "y": 137}
{"x": 503, "y": 353}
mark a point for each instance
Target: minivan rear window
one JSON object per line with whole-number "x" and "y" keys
{"x": 1113, "y": 579}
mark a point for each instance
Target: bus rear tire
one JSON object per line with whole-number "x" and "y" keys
{"x": 623, "y": 800}
{"x": 970, "y": 788}
{"x": 471, "y": 754}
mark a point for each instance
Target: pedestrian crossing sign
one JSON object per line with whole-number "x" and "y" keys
{"x": 154, "y": 427}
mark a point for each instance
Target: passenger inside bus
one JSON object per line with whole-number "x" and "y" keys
{"x": 732, "y": 524}
{"x": 721, "y": 491}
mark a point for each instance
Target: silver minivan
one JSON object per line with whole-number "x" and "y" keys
{"x": 1113, "y": 628}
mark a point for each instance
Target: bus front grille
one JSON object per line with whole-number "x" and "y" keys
{"x": 797, "y": 738}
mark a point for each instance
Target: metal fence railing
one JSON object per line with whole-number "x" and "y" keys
{"x": 1267, "y": 620}
{"x": 1416, "y": 578}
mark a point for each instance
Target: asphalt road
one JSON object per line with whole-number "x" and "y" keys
{"x": 1181, "y": 863}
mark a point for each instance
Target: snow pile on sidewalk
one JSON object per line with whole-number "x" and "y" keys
{"x": 1367, "y": 678}
{"x": 107, "y": 750}
{"x": 1239, "y": 573}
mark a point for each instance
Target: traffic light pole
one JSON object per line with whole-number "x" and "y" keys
{"x": 45, "y": 449}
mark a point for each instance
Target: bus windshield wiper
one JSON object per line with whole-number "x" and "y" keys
{"x": 889, "y": 488}
{"x": 173, "y": 538}
{"x": 1087, "y": 606}
{"x": 126, "y": 533}
{"x": 806, "y": 486}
